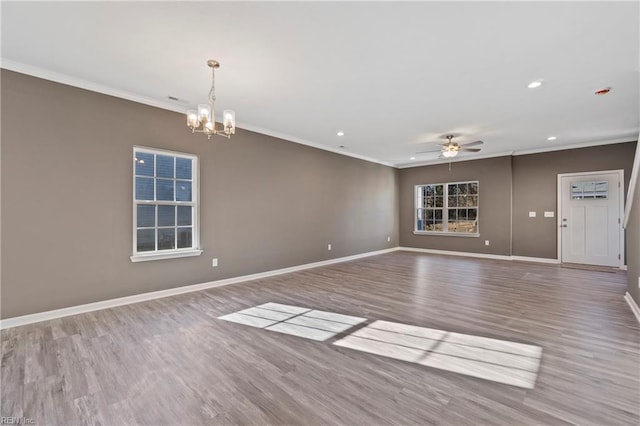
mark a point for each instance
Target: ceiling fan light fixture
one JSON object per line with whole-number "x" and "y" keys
{"x": 451, "y": 149}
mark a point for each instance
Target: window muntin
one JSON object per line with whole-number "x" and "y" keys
{"x": 165, "y": 202}
{"x": 447, "y": 208}
{"x": 589, "y": 190}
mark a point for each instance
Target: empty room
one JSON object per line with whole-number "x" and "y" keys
{"x": 320, "y": 213}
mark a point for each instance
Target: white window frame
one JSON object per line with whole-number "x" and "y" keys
{"x": 194, "y": 250}
{"x": 445, "y": 211}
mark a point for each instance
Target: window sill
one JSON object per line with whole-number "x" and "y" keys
{"x": 447, "y": 234}
{"x": 165, "y": 255}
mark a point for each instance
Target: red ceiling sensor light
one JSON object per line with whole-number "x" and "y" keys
{"x": 603, "y": 91}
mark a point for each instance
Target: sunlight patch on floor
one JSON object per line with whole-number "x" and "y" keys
{"x": 500, "y": 361}
{"x": 302, "y": 322}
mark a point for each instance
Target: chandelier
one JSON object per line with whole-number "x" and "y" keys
{"x": 203, "y": 120}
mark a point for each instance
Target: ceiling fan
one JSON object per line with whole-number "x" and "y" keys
{"x": 450, "y": 149}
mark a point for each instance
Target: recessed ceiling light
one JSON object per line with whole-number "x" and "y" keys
{"x": 340, "y": 133}
{"x": 552, "y": 138}
{"x": 412, "y": 158}
{"x": 534, "y": 84}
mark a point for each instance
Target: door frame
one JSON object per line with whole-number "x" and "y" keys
{"x": 620, "y": 173}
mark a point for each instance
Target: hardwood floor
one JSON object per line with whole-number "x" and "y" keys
{"x": 171, "y": 361}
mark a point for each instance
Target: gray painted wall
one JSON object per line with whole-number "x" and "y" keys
{"x": 66, "y": 182}
{"x": 266, "y": 203}
{"x": 494, "y": 213}
{"x": 534, "y": 181}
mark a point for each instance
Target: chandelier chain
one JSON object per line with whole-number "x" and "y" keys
{"x": 212, "y": 92}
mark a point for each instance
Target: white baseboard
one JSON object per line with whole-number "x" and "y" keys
{"x": 535, "y": 259}
{"x": 111, "y": 303}
{"x": 456, "y": 253}
{"x": 632, "y": 304}
{"x": 482, "y": 255}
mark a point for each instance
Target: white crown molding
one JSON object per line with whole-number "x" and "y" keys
{"x": 106, "y": 90}
{"x": 136, "y": 298}
{"x": 599, "y": 142}
{"x": 86, "y": 84}
{"x": 167, "y": 105}
{"x": 587, "y": 144}
{"x": 300, "y": 141}
{"x": 633, "y": 305}
{"x": 453, "y": 160}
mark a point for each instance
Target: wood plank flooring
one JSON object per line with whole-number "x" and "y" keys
{"x": 171, "y": 361}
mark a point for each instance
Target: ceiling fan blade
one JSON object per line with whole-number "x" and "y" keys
{"x": 434, "y": 149}
{"x": 470, "y": 149}
{"x": 472, "y": 143}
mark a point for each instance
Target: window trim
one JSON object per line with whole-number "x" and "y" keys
{"x": 445, "y": 210}
{"x": 172, "y": 254}
{"x": 195, "y": 249}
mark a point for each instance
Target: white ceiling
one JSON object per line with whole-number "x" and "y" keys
{"x": 391, "y": 75}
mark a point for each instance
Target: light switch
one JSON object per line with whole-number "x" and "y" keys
{"x": 532, "y": 214}
{"x": 549, "y": 214}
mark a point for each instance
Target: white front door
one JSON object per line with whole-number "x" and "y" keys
{"x": 590, "y": 220}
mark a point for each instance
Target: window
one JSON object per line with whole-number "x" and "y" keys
{"x": 447, "y": 208}
{"x": 165, "y": 205}
{"x": 589, "y": 190}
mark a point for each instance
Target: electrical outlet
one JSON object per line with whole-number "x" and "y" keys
{"x": 214, "y": 263}
{"x": 329, "y": 247}
{"x": 388, "y": 239}
{"x": 532, "y": 214}
{"x": 486, "y": 242}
